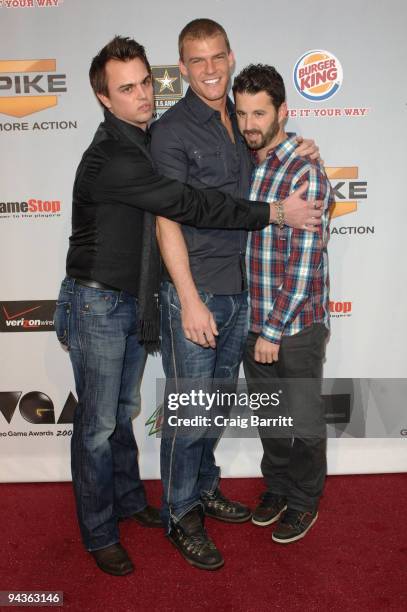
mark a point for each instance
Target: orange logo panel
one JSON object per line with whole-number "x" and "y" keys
{"x": 343, "y": 207}
{"x": 20, "y": 106}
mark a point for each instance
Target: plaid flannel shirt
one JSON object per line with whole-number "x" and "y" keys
{"x": 288, "y": 269}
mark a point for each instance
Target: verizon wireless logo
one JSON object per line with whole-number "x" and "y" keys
{"x": 23, "y": 316}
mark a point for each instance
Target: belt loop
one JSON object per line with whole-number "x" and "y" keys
{"x": 70, "y": 284}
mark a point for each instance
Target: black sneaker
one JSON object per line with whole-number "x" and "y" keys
{"x": 269, "y": 509}
{"x": 191, "y": 539}
{"x": 219, "y": 507}
{"x": 293, "y": 525}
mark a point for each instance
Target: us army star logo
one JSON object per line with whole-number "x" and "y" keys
{"x": 166, "y": 82}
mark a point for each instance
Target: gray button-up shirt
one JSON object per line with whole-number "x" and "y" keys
{"x": 190, "y": 143}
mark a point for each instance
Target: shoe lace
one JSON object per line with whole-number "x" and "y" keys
{"x": 293, "y": 517}
{"x": 219, "y": 501}
{"x": 196, "y": 544}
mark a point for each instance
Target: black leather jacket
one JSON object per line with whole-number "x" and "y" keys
{"x": 115, "y": 182}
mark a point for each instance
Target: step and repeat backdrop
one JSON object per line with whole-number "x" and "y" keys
{"x": 343, "y": 66}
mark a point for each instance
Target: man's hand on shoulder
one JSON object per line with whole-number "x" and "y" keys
{"x": 308, "y": 148}
{"x": 199, "y": 324}
{"x": 265, "y": 351}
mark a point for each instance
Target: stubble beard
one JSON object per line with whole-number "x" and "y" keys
{"x": 266, "y": 138}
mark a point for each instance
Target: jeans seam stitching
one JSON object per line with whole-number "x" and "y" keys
{"x": 80, "y": 343}
{"x": 174, "y": 362}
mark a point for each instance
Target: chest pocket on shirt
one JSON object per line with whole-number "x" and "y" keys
{"x": 209, "y": 167}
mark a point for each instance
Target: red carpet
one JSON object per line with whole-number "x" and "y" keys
{"x": 354, "y": 559}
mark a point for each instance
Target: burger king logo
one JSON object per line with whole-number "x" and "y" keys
{"x": 318, "y": 75}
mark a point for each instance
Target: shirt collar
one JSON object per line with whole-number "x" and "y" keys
{"x": 203, "y": 111}
{"x": 282, "y": 151}
{"x": 132, "y": 132}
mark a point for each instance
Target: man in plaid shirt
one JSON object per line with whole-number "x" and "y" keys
{"x": 289, "y": 315}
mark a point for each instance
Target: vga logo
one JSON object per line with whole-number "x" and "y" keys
{"x": 347, "y": 190}
{"x": 22, "y": 80}
{"x": 317, "y": 75}
{"x": 35, "y": 407}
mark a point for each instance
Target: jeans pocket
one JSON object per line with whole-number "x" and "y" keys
{"x": 175, "y": 303}
{"x": 62, "y": 318}
{"x": 205, "y": 296}
{"x": 173, "y": 300}
{"x": 99, "y": 303}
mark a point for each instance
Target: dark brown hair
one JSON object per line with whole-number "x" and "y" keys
{"x": 120, "y": 48}
{"x": 199, "y": 29}
{"x": 261, "y": 77}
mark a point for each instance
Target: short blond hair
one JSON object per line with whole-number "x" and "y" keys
{"x": 199, "y": 29}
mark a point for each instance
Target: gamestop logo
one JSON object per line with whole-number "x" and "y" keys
{"x": 29, "y": 86}
{"x": 340, "y": 309}
{"x": 31, "y": 208}
{"x": 27, "y": 316}
{"x": 317, "y": 75}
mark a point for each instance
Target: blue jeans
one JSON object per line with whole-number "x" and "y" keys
{"x": 98, "y": 328}
{"x": 188, "y": 466}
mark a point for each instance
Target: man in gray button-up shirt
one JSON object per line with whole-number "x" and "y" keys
{"x": 204, "y": 297}
{"x": 191, "y": 143}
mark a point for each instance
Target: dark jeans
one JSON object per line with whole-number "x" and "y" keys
{"x": 293, "y": 466}
{"x": 98, "y": 328}
{"x": 188, "y": 466}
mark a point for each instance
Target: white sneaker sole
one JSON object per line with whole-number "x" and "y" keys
{"x": 271, "y": 521}
{"x": 297, "y": 537}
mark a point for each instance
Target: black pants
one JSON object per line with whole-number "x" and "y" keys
{"x": 293, "y": 465}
